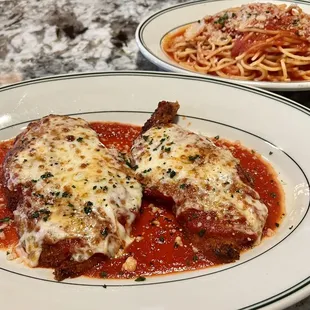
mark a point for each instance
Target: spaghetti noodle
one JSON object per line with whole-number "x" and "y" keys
{"x": 258, "y": 41}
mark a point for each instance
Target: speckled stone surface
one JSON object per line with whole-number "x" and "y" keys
{"x": 47, "y": 37}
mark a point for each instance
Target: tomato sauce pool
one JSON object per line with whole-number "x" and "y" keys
{"x": 159, "y": 246}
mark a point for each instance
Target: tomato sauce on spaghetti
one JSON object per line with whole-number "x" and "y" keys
{"x": 258, "y": 41}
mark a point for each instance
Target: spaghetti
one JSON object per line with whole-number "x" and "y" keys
{"x": 258, "y": 41}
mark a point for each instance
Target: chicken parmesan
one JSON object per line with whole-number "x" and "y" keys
{"x": 213, "y": 199}
{"x": 73, "y": 200}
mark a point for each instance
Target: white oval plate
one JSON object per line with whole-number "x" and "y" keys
{"x": 151, "y": 31}
{"x": 273, "y": 275}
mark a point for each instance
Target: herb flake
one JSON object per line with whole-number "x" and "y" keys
{"x": 88, "y": 210}
{"x": 201, "y": 232}
{"x": 5, "y": 220}
{"x": 46, "y": 175}
{"x": 192, "y": 158}
{"x": 222, "y": 20}
{"x": 140, "y": 279}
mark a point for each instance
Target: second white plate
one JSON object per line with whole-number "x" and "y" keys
{"x": 151, "y": 31}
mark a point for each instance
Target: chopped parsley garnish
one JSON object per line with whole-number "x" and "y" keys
{"x": 295, "y": 22}
{"x": 89, "y": 204}
{"x": 277, "y": 224}
{"x": 182, "y": 186}
{"x": 195, "y": 258}
{"x": 273, "y": 195}
{"x": 128, "y": 163}
{"x": 94, "y": 187}
{"x": 172, "y": 174}
{"x": 46, "y": 175}
{"x": 104, "y": 188}
{"x": 105, "y": 232}
{"x": 161, "y": 239}
{"x": 103, "y": 274}
{"x": 161, "y": 142}
{"x": 66, "y": 194}
{"x": 79, "y": 139}
{"x": 44, "y": 211}
{"x": 140, "y": 279}
{"x": 70, "y": 205}
{"x": 88, "y": 210}
{"x": 5, "y": 220}
{"x": 201, "y": 232}
{"x": 192, "y": 158}
{"x": 34, "y": 181}
{"x": 216, "y": 137}
{"x": 222, "y": 20}
{"x": 145, "y": 138}
{"x": 147, "y": 170}
{"x": 73, "y": 186}
{"x": 270, "y": 153}
{"x": 38, "y": 195}
{"x": 194, "y": 216}
{"x": 167, "y": 149}
{"x": 35, "y": 214}
{"x": 233, "y": 15}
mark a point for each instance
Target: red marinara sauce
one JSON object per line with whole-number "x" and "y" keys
{"x": 159, "y": 246}
{"x": 8, "y": 233}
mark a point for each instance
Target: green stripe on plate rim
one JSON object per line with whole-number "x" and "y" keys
{"x": 214, "y": 80}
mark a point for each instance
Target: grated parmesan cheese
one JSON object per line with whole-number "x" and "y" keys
{"x": 130, "y": 264}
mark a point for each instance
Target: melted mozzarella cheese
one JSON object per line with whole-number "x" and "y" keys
{"x": 198, "y": 175}
{"x": 72, "y": 188}
{"x": 227, "y": 24}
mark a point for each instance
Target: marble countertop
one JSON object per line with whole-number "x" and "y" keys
{"x": 48, "y": 37}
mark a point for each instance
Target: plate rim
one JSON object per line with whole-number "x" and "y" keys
{"x": 165, "y": 65}
{"x": 284, "y": 298}
{"x": 190, "y": 277}
{"x": 227, "y": 82}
